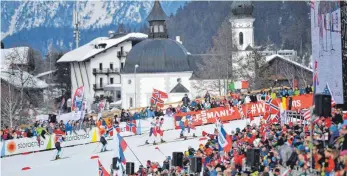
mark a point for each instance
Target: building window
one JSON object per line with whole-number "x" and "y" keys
{"x": 156, "y": 28}
{"x": 111, "y": 66}
{"x": 151, "y": 30}
{"x": 100, "y": 66}
{"x": 161, "y": 28}
{"x": 111, "y": 80}
{"x": 130, "y": 102}
{"x": 122, "y": 65}
{"x": 240, "y": 38}
{"x": 129, "y": 81}
{"x": 118, "y": 94}
{"x": 101, "y": 82}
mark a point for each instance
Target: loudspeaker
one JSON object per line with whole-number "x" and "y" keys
{"x": 177, "y": 159}
{"x": 130, "y": 168}
{"x": 290, "y": 103}
{"x": 195, "y": 165}
{"x": 115, "y": 161}
{"x": 322, "y": 105}
{"x": 253, "y": 157}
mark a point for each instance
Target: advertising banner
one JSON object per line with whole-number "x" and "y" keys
{"x": 251, "y": 109}
{"x": 23, "y": 145}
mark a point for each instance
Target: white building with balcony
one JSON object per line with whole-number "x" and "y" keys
{"x": 97, "y": 65}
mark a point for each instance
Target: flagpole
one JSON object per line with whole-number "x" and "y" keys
{"x": 311, "y": 140}
{"x": 135, "y": 155}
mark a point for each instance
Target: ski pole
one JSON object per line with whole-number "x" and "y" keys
{"x": 96, "y": 147}
{"x": 160, "y": 151}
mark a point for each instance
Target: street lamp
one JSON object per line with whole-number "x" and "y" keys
{"x": 138, "y": 130}
{"x": 136, "y": 66}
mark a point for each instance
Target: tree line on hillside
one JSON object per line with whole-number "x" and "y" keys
{"x": 285, "y": 24}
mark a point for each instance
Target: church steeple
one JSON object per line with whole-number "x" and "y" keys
{"x": 157, "y": 19}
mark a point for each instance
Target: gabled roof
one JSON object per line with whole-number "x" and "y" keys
{"x": 45, "y": 73}
{"x": 17, "y": 78}
{"x": 249, "y": 48}
{"x": 276, "y": 56}
{"x": 16, "y": 55}
{"x": 179, "y": 88}
{"x": 88, "y": 50}
{"x": 157, "y": 13}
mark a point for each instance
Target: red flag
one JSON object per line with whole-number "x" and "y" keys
{"x": 131, "y": 126}
{"x": 159, "y": 94}
{"x": 157, "y": 101}
{"x": 102, "y": 170}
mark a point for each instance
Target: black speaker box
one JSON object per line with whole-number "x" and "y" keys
{"x": 195, "y": 164}
{"x": 253, "y": 157}
{"x": 290, "y": 103}
{"x": 322, "y": 105}
{"x": 115, "y": 161}
{"x": 177, "y": 159}
{"x": 130, "y": 168}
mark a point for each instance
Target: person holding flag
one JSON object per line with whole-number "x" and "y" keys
{"x": 119, "y": 147}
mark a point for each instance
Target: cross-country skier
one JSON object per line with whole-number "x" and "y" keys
{"x": 183, "y": 124}
{"x": 59, "y": 138}
{"x": 160, "y": 130}
{"x": 190, "y": 125}
{"x": 152, "y": 130}
{"x": 103, "y": 141}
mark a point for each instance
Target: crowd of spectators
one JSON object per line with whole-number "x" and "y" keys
{"x": 45, "y": 127}
{"x": 284, "y": 150}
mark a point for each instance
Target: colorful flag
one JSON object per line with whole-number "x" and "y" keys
{"x": 131, "y": 126}
{"x": 269, "y": 102}
{"x": 306, "y": 114}
{"x": 224, "y": 139}
{"x": 102, "y": 170}
{"x": 159, "y": 94}
{"x": 78, "y": 99}
{"x": 327, "y": 91}
{"x": 117, "y": 128}
{"x": 157, "y": 101}
{"x": 120, "y": 146}
{"x": 239, "y": 107}
{"x": 110, "y": 130}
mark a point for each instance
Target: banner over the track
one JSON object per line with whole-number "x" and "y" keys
{"x": 254, "y": 109}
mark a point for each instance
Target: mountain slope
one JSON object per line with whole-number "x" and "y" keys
{"x": 21, "y": 22}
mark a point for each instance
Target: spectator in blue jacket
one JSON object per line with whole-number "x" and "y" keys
{"x": 68, "y": 128}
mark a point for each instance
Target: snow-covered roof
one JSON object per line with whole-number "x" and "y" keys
{"x": 14, "y": 78}
{"x": 16, "y": 55}
{"x": 88, "y": 50}
{"x": 271, "y": 57}
{"x": 45, "y": 73}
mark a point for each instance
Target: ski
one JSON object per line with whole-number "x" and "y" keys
{"x": 105, "y": 151}
{"x": 60, "y": 158}
{"x": 175, "y": 140}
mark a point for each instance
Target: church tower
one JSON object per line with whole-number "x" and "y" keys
{"x": 157, "y": 22}
{"x": 242, "y": 24}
